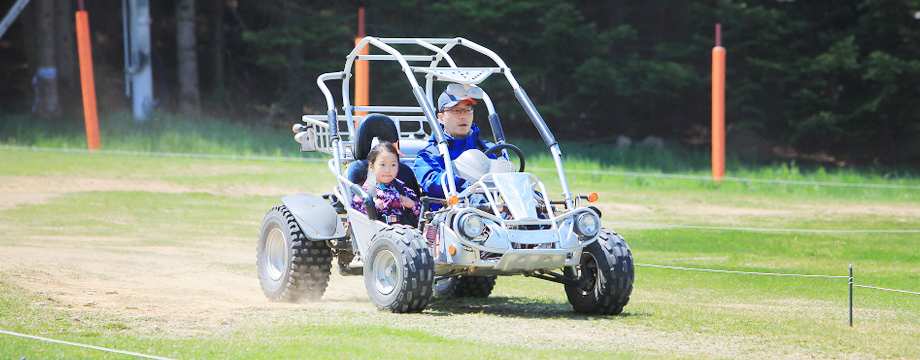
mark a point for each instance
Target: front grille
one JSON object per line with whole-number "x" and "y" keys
{"x": 489, "y": 256}
{"x": 550, "y": 245}
{"x": 529, "y": 227}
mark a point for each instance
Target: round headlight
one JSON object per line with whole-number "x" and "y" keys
{"x": 587, "y": 225}
{"x": 471, "y": 226}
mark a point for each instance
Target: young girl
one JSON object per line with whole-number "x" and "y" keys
{"x": 395, "y": 202}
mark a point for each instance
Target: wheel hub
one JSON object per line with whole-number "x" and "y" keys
{"x": 275, "y": 254}
{"x": 385, "y": 273}
{"x": 588, "y": 272}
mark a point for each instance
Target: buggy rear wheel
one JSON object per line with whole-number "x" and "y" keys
{"x": 607, "y": 266}
{"x": 343, "y": 260}
{"x": 399, "y": 270}
{"x": 291, "y": 267}
{"x": 465, "y": 286}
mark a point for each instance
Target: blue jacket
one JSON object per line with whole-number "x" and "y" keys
{"x": 429, "y": 165}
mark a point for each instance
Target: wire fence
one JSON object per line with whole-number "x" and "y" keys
{"x": 104, "y": 349}
{"x": 829, "y": 231}
{"x": 851, "y": 284}
{"x": 881, "y": 288}
{"x": 741, "y": 272}
{"x": 736, "y": 179}
{"x": 589, "y": 172}
{"x": 165, "y": 154}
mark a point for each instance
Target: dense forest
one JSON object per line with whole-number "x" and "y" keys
{"x": 823, "y": 80}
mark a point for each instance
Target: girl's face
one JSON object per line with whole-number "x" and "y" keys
{"x": 385, "y": 167}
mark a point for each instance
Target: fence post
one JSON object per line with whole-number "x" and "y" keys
{"x": 362, "y": 70}
{"x": 851, "y": 295}
{"x": 87, "y": 79}
{"x": 718, "y": 108}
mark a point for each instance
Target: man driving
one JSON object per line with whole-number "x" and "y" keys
{"x": 455, "y": 115}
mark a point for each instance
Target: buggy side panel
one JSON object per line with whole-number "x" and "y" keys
{"x": 316, "y": 217}
{"x": 363, "y": 229}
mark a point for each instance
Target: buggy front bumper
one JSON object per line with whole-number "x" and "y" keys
{"x": 532, "y": 255}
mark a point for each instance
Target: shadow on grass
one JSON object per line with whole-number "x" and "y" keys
{"x": 514, "y": 306}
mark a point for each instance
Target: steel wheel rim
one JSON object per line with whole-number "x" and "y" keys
{"x": 588, "y": 271}
{"x": 275, "y": 254}
{"x": 385, "y": 273}
{"x": 443, "y": 283}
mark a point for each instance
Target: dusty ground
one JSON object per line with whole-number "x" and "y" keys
{"x": 169, "y": 287}
{"x": 178, "y": 292}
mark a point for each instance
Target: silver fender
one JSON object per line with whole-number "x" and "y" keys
{"x": 316, "y": 217}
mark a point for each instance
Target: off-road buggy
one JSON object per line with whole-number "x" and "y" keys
{"x": 503, "y": 223}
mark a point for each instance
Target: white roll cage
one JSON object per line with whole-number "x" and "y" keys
{"x": 323, "y": 132}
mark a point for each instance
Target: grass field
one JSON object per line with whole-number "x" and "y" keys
{"x": 156, "y": 255}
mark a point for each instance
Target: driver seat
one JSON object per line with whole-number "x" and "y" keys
{"x": 384, "y": 129}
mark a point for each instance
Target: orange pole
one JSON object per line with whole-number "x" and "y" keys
{"x": 718, "y": 108}
{"x": 85, "y": 52}
{"x": 362, "y": 96}
{"x": 362, "y": 71}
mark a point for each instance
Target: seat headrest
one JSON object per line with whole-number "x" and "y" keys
{"x": 374, "y": 126}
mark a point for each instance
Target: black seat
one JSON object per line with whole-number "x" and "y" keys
{"x": 357, "y": 173}
{"x": 383, "y": 128}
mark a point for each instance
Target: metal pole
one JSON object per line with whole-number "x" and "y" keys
{"x": 140, "y": 67}
{"x": 12, "y": 15}
{"x": 125, "y": 25}
{"x": 851, "y": 295}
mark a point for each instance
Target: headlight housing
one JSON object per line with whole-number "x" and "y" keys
{"x": 471, "y": 226}
{"x": 587, "y": 225}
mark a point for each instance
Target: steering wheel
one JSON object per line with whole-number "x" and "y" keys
{"x": 497, "y": 148}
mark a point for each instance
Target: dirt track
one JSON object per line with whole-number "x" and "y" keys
{"x": 169, "y": 287}
{"x": 177, "y": 291}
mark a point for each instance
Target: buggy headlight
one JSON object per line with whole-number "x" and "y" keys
{"x": 587, "y": 224}
{"x": 471, "y": 226}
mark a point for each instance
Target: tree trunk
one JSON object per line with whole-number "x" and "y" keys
{"x": 45, "y": 80}
{"x": 189, "y": 96}
{"x": 65, "y": 49}
{"x": 220, "y": 42}
{"x": 29, "y": 21}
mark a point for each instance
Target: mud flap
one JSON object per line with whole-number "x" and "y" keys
{"x": 316, "y": 217}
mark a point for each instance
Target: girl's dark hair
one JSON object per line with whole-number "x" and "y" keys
{"x": 383, "y": 146}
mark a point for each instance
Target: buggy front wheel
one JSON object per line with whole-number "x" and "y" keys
{"x": 607, "y": 269}
{"x": 399, "y": 270}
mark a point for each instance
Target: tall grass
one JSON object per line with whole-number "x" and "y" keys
{"x": 165, "y": 132}
{"x": 605, "y": 166}
{"x": 678, "y": 159}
